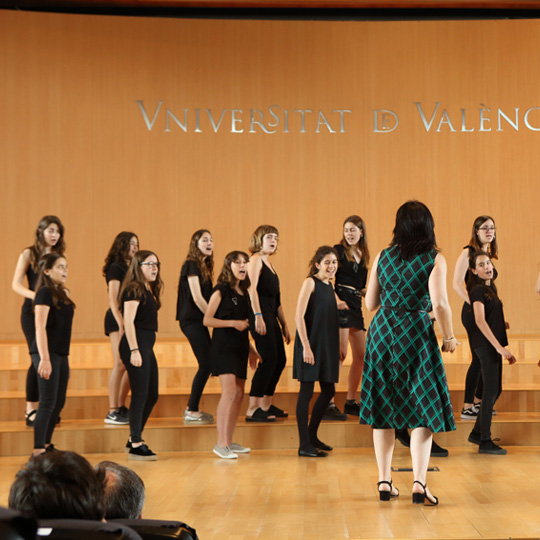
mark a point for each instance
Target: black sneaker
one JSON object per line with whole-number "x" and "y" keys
{"x": 475, "y": 439}
{"x": 352, "y": 408}
{"x": 141, "y": 453}
{"x": 470, "y": 413}
{"x": 333, "y": 413}
{"x": 116, "y": 418}
{"x": 50, "y": 448}
{"x": 124, "y": 412}
{"x": 489, "y": 447}
{"x": 437, "y": 451}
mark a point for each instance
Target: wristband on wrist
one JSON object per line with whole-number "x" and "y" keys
{"x": 259, "y": 314}
{"x": 133, "y": 350}
{"x": 449, "y": 339}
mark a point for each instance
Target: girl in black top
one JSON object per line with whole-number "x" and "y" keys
{"x": 49, "y": 238}
{"x": 488, "y": 342}
{"x": 123, "y": 249}
{"x": 316, "y": 349}
{"x": 50, "y": 348}
{"x": 227, "y": 312}
{"x": 140, "y": 300}
{"x": 268, "y": 326}
{"x": 483, "y": 238}
{"x": 351, "y": 277}
{"x": 194, "y": 290}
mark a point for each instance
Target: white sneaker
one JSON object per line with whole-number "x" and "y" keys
{"x": 224, "y": 452}
{"x": 239, "y": 449}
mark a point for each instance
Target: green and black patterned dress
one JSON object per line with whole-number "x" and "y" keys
{"x": 404, "y": 382}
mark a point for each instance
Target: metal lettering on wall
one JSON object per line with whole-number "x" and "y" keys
{"x": 274, "y": 119}
{"x": 437, "y": 118}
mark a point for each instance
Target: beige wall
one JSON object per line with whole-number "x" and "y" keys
{"x": 73, "y": 142}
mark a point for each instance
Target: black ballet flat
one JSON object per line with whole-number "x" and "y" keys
{"x": 322, "y": 446}
{"x": 422, "y": 498}
{"x": 386, "y": 495}
{"x": 307, "y": 453}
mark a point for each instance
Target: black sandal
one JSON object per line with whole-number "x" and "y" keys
{"x": 387, "y": 495}
{"x": 422, "y": 498}
{"x": 277, "y": 412}
{"x": 30, "y": 418}
{"x": 260, "y": 416}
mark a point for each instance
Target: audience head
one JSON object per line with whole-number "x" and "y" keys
{"x": 124, "y": 491}
{"x": 59, "y": 485}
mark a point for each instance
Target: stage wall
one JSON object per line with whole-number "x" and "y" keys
{"x": 163, "y": 126}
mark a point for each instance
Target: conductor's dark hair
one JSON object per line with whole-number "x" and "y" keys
{"x": 59, "y": 485}
{"x": 414, "y": 232}
{"x": 124, "y": 491}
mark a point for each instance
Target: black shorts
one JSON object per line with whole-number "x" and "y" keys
{"x": 110, "y": 323}
{"x": 352, "y": 317}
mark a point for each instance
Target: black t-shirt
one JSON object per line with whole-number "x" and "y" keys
{"x": 186, "y": 308}
{"x": 59, "y": 323}
{"x": 146, "y": 316}
{"x": 115, "y": 272}
{"x": 494, "y": 317}
{"x": 350, "y": 273}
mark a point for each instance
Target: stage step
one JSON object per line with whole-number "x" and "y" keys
{"x": 170, "y": 434}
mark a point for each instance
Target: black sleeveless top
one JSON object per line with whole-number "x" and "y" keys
{"x": 350, "y": 273}
{"x": 32, "y": 278}
{"x": 268, "y": 291}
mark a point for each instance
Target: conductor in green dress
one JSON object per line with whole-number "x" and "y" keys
{"x": 404, "y": 382}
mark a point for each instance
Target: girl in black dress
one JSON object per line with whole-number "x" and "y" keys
{"x": 483, "y": 238}
{"x": 194, "y": 290}
{"x": 268, "y": 326}
{"x": 49, "y": 238}
{"x": 140, "y": 300}
{"x": 488, "y": 342}
{"x": 351, "y": 278}
{"x": 123, "y": 249}
{"x": 50, "y": 348}
{"x": 227, "y": 312}
{"x": 316, "y": 348}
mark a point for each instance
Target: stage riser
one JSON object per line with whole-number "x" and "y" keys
{"x": 279, "y": 435}
{"x": 96, "y": 379}
{"x": 172, "y": 405}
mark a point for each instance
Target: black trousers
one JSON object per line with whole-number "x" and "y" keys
{"x": 473, "y": 381}
{"x": 199, "y": 339}
{"x": 29, "y": 329}
{"x": 273, "y": 359}
{"x": 491, "y": 363}
{"x": 307, "y": 432}
{"x": 143, "y": 380}
{"x": 53, "y": 398}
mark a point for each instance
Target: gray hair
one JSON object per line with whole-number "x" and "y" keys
{"x": 124, "y": 491}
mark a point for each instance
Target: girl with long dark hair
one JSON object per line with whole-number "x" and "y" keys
{"x": 350, "y": 284}
{"x": 50, "y": 349}
{"x": 489, "y": 343}
{"x": 404, "y": 383}
{"x": 123, "y": 249}
{"x": 48, "y": 238}
{"x": 483, "y": 238}
{"x": 194, "y": 290}
{"x": 140, "y": 300}
{"x": 228, "y": 312}
{"x": 316, "y": 349}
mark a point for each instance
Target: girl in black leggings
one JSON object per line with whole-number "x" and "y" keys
{"x": 50, "y": 348}
{"x": 316, "y": 349}
{"x": 194, "y": 290}
{"x": 140, "y": 300}
{"x": 488, "y": 342}
{"x": 49, "y": 238}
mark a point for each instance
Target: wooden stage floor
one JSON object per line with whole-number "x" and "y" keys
{"x": 273, "y": 494}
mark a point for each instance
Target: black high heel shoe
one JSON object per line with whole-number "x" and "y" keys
{"x": 422, "y": 498}
{"x": 386, "y": 495}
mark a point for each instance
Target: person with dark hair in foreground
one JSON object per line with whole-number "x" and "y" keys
{"x": 124, "y": 491}
{"x": 404, "y": 384}
{"x": 59, "y": 485}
